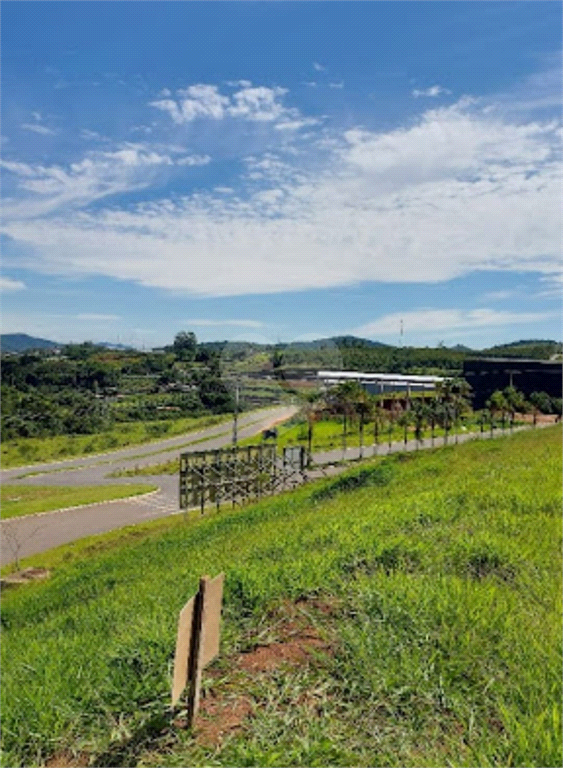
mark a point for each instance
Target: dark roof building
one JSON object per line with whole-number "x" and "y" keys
{"x": 488, "y": 374}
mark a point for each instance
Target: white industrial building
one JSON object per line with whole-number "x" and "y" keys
{"x": 380, "y": 383}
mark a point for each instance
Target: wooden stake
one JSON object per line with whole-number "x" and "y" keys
{"x": 198, "y": 641}
{"x": 195, "y": 662}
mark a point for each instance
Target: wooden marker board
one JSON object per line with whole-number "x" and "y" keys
{"x": 197, "y": 640}
{"x": 183, "y": 647}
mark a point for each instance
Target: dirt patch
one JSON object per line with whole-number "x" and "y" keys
{"x": 219, "y": 718}
{"x": 68, "y": 760}
{"x": 295, "y": 644}
{"x": 265, "y": 658}
{"x": 25, "y": 576}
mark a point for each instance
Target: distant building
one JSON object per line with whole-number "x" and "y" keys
{"x": 381, "y": 383}
{"x": 486, "y": 375}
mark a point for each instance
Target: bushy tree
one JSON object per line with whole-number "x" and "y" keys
{"x": 185, "y": 346}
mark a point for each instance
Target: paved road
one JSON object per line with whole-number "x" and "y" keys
{"x": 24, "y": 536}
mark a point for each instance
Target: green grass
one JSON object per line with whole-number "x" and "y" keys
{"x": 444, "y": 569}
{"x": 20, "y": 500}
{"x": 34, "y": 450}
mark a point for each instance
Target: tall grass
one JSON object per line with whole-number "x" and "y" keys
{"x": 446, "y": 566}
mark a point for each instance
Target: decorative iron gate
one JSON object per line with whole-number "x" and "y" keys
{"x": 238, "y": 475}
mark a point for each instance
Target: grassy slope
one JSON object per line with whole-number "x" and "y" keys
{"x": 446, "y": 649}
{"x": 34, "y": 450}
{"x": 20, "y": 500}
{"x": 327, "y": 436}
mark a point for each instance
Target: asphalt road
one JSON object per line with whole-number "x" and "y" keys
{"x": 24, "y": 536}
{"x": 28, "y": 535}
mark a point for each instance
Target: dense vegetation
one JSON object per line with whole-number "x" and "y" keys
{"x": 88, "y": 389}
{"x": 84, "y": 389}
{"x": 432, "y": 580}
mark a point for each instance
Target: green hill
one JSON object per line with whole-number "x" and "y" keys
{"x": 539, "y": 349}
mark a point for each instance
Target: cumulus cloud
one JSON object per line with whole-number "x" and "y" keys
{"x": 434, "y": 90}
{"x": 423, "y": 320}
{"x": 254, "y": 103}
{"x": 459, "y": 190}
{"x": 318, "y": 67}
{"x": 7, "y": 284}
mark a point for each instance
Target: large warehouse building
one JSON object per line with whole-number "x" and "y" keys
{"x": 381, "y": 383}
{"x": 485, "y": 375}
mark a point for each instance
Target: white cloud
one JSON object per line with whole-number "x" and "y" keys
{"x": 36, "y": 128}
{"x": 7, "y": 284}
{"x": 209, "y": 323}
{"x": 458, "y": 191}
{"x": 336, "y": 85}
{"x": 93, "y": 316}
{"x": 85, "y": 133}
{"x": 434, "y": 90}
{"x": 254, "y": 103}
{"x": 294, "y": 125}
{"x": 423, "y": 320}
{"x": 97, "y": 175}
{"x": 193, "y": 160}
{"x": 499, "y": 295}
{"x": 318, "y": 67}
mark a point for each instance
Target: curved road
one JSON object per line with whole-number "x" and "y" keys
{"x": 28, "y": 535}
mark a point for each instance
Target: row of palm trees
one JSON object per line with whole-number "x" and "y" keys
{"x": 351, "y": 401}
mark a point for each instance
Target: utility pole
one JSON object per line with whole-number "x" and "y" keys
{"x": 235, "y": 415}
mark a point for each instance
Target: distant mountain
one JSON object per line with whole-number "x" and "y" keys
{"x": 354, "y": 341}
{"x": 21, "y": 342}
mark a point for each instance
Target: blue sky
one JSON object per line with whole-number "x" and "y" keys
{"x": 277, "y": 171}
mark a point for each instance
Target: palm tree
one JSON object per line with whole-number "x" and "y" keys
{"x": 364, "y": 406}
{"x": 313, "y": 409}
{"x": 379, "y": 418}
{"x": 420, "y": 414}
{"x": 516, "y": 403}
{"x": 404, "y": 420}
{"x": 342, "y": 399}
{"x": 484, "y": 417}
{"x": 433, "y": 415}
{"x": 461, "y": 392}
{"x": 394, "y": 416}
{"x": 497, "y": 404}
{"x": 444, "y": 395}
